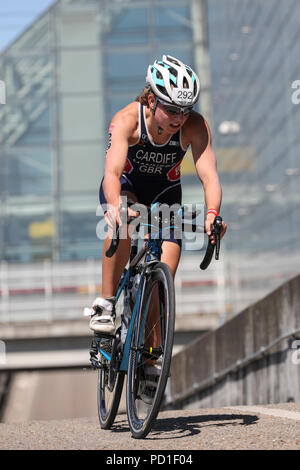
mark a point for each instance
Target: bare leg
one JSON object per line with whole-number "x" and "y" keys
{"x": 170, "y": 256}
{"x": 113, "y": 267}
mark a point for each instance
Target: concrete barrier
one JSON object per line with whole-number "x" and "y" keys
{"x": 251, "y": 359}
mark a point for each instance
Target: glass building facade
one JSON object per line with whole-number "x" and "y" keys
{"x": 254, "y": 71}
{"x": 66, "y": 76}
{"x": 81, "y": 61}
{"x": 254, "y": 63}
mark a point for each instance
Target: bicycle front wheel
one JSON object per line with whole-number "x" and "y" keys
{"x": 151, "y": 347}
{"x": 110, "y": 382}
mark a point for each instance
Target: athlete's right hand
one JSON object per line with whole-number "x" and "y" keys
{"x": 114, "y": 216}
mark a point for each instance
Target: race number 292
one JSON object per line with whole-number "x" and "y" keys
{"x": 2, "y": 92}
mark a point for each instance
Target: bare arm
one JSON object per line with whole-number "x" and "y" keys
{"x": 205, "y": 163}
{"x": 120, "y": 132}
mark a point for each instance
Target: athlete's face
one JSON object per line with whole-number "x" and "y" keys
{"x": 169, "y": 117}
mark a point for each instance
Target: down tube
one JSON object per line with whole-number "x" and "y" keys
{"x": 136, "y": 310}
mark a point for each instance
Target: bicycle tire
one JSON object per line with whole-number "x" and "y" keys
{"x": 141, "y": 423}
{"x": 110, "y": 386}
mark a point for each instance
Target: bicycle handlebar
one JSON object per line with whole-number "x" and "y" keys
{"x": 216, "y": 230}
{"x": 114, "y": 243}
{"x": 116, "y": 236}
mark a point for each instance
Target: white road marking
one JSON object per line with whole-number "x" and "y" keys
{"x": 278, "y": 413}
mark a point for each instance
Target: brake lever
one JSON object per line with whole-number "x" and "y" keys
{"x": 217, "y": 232}
{"x": 116, "y": 236}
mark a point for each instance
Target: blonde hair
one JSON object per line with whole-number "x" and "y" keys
{"x": 143, "y": 96}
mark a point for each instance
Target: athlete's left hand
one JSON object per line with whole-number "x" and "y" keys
{"x": 208, "y": 224}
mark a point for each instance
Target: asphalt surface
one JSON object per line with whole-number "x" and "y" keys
{"x": 240, "y": 428}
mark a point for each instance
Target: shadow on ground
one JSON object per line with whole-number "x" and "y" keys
{"x": 183, "y": 426}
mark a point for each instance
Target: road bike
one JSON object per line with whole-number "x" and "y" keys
{"x": 145, "y": 302}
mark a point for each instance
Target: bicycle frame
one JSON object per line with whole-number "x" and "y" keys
{"x": 152, "y": 252}
{"x": 147, "y": 283}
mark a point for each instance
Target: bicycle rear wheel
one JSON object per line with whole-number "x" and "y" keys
{"x": 110, "y": 382}
{"x": 151, "y": 344}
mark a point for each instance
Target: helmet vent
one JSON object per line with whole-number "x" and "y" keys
{"x": 163, "y": 90}
{"x": 185, "y": 83}
{"x": 173, "y": 71}
{"x": 174, "y": 61}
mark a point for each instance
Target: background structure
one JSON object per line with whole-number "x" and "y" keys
{"x": 81, "y": 61}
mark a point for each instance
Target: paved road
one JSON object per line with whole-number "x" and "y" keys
{"x": 268, "y": 427}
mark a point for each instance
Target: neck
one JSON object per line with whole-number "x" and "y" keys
{"x": 157, "y": 132}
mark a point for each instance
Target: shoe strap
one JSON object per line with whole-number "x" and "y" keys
{"x": 103, "y": 303}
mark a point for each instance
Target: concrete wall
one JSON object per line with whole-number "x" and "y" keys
{"x": 41, "y": 390}
{"x": 232, "y": 365}
{"x": 52, "y": 394}
{"x": 251, "y": 359}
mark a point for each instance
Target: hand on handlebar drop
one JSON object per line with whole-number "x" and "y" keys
{"x": 208, "y": 225}
{"x": 112, "y": 217}
{"x": 116, "y": 215}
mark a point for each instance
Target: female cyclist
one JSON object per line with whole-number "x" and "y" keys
{"x": 148, "y": 140}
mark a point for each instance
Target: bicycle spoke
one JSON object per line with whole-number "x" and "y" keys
{"x": 110, "y": 384}
{"x": 151, "y": 350}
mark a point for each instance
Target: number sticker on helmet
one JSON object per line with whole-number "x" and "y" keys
{"x": 182, "y": 96}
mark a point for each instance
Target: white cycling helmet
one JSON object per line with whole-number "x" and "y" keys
{"x": 173, "y": 81}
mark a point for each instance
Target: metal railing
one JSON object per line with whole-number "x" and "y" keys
{"x": 50, "y": 290}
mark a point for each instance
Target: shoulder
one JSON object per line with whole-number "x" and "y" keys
{"x": 197, "y": 125}
{"x": 127, "y": 119}
{"x": 196, "y": 130}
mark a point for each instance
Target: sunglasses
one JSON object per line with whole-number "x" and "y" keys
{"x": 175, "y": 110}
